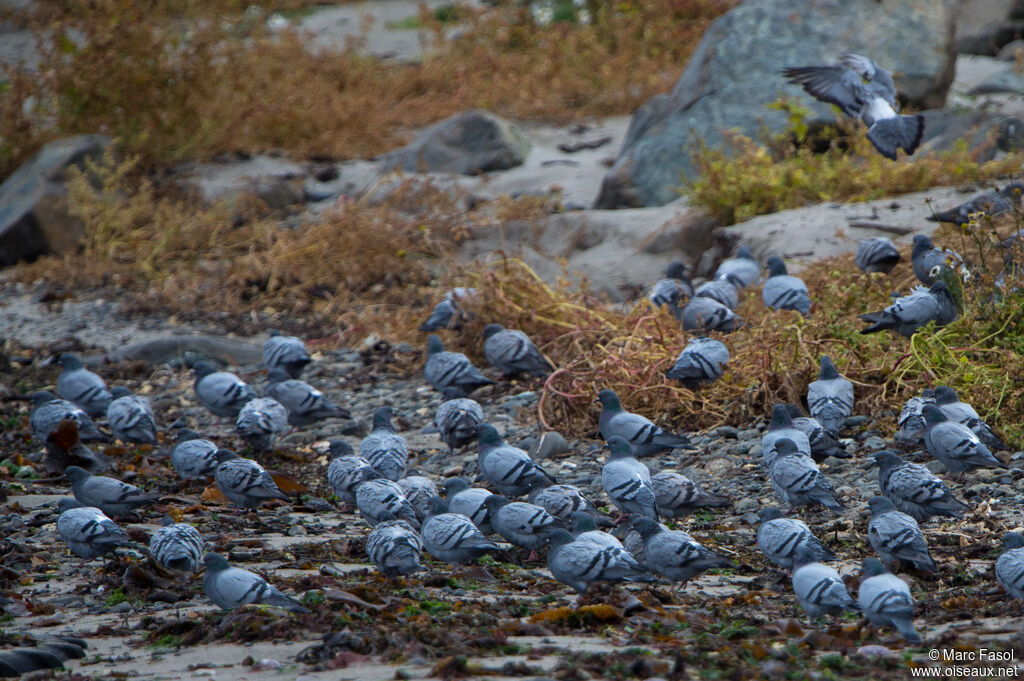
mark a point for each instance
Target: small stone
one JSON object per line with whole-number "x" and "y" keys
{"x": 748, "y": 434}
{"x": 549, "y": 445}
{"x": 856, "y": 421}
{"x": 746, "y": 505}
{"x": 936, "y": 467}
{"x": 874, "y": 443}
{"x": 727, "y": 431}
{"x": 751, "y": 519}
{"x": 719, "y": 466}
{"x": 297, "y": 531}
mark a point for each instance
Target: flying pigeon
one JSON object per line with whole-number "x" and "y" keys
{"x": 796, "y": 478}
{"x": 929, "y": 261}
{"x": 677, "y": 496}
{"x": 381, "y": 500}
{"x": 468, "y": 501}
{"x": 305, "y": 404}
{"x": 823, "y": 443}
{"x": 48, "y": 412}
{"x": 195, "y": 458}
{"x": 246, "y": 484}
{"x": 510, "y": 470}
{"x": 346, "y": 471}
{"x": 627, "y": 482}
{"x": 131, "y": 417}
{"x": 177, "y": 546}
{"x": 783, "y": 291}
{"x": 673, "y": 290}
{"x": 643, "y": 436}
{"x": 909, "y": 313}
{"x": 885, "y": 600}
{"x": 781, "y": 427}
{"x": 385, "y": 449}
{"x": 896, "y": 537}
{"x": 452, "y": 537}
{"x": 1010, "y": 565}
{"x": 700, "y": 362}
{"x": 81, "y": 386}
{"x": 910, "y": 426}
{"x": 521, "y": 523}
{"x": 707, "y": 314}
{"x": 87, "y": 531}
{"x": 961, "y": 412}
{"x": 674, "y": 554}
{"x": 990, "y": 203}
{"x": 451, "y": 369}
{"x": 230, "y": 587}
{"x": 113, "y": 497}
{"x": 562, "y": 501}
{"x": 457, "y": 418}
{"x": 446, "y": 313}
{"x": 512, "y": 352}
{"x": 818, "y": 587}
{"x": 221, "y": 392}
{"x": 864, "y": 90}
{"x": 260, "y": 421}
{"x": 830, "y": 398}
{"x": 914, "y": 490}
{"x": 395, "y": 548}
{"x": 954, "y": 444}
{"x": 743, "y": 266}
{"x": 779, "y": 538}
{"x": 419, "y": 491}
{"x": 578, "y": 564}
{"x": 285, "y": 352}
{"x": 724, "y": 289}
{"x": 877, "y": 254}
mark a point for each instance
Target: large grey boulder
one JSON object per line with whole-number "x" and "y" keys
{"x": 34, "y": 219}
{"x": 987, "y": 133}
{"x": 468, "y": 143}
{"x": 734, "y": 75}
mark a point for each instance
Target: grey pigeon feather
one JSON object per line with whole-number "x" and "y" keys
{"x": 510, "y": 470}
{"x": 796, "y": 478}
{"x": 230, "y": 587}
{"x": 177, "y": 546}
{"x": 385, "y": 449}
{"x": 633, "y": 541}
{"x": 578, "y": 564}
{"x": 896, "y": 537}
{"x": 885, "y": 600}
{"x": 1010, "y": 565}
{"x": 346, "y": 471}
{"x": 674, "y": 554}
{"x": 781, "y": 427}
{"x": 677, "y": 496}
{"x": 818, "y": 587}
{"x": 954, "y": 444}
{"x": 724, "y": 289}
{"x": 700, "y": 361}
{"x": 877, "y": 254}
{"x": 469, "y": 501}
{"x": 287, "y": 353}
{"x": 512, "y": 352}
{"x": 521, "y": 523}
{"x": 909, "y": 313}
{"x": 446, "y": 314}
{"x": 707, "y": 314}
{"x": 395, "y": 548}
{"x": 451, "y": 369}
{"x": 627, "y": 482}
{"x": 914, "y": 490}
{"x": 305, "y": 404}
{"x": 221, "y": 392}
{"x": 742, "y": 266}
{"x": 131, "y": 417}
{"x": 783, "y": 291}
{"x": 910, "y": 426}
{"x": 643, "y": 436}
{"x": 673, "y": 290}
{"x": 930, "y": 261}
{"x": 81, "y": 386}
{"x": 830, "y": 398}
{"x": 420, "y": 491}
{"x": 961, "y": 412}
{"x": 779, "y": 539}
{"x": 260, "y": 421}
{"x": 113, "y": 497}
{"x": 562, "y": 501}
{"x": 457, "y": 418}
{"x": 195, "y": 458}
{"x": 990, "y": 203}
{"x": 452, "y": 537}
{"x": 381, "y": 500}
{"x": 246, "y": 484}
{"x": 583, "y": 526}
{"x": 823, "y": 443}
{"x": 48, "y": 412}
{"x": 87, "y": 531}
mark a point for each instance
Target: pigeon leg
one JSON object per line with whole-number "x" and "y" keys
{"x": 532, "y": 557}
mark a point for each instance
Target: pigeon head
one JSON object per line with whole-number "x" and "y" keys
{"x": 453, "y": 486}
{"x": 928, "y": 394}
{"x": 618, "y": 447}
{"x": 1013, "y": 540}
{"x": 786, "y": 447}
{"x": 487, "y": 434}
{"x": 609, "y": 400}
{"x": 76, "y": 474}
{"x": 434, "y": 344}
{"x": 921, "y": 244}
{"x": 557, "y": 538}
{"x": 794, "y": 410}
{"x": 744, "y": 252}
{"x": 775, "y": 266}
{"x": 769, "y": 513}
{"x": 437, "y": 506}
{"x": 382, "y": 418}
{"x": 804, "y": 555}
{"x": 939, "y": 288}
{"x": 677, "y": 270}
{"x": 945, "y": 395}
{"x": 932, "y": 414}
{"x": 879, "y": 505}
{"x": 887, "y": 459}
{"x": 42, "y": 397}
{"x": 120, "y": 391}
{"x": 222, "y": 455}
{"x": 202, "y": 369}
{"x": 67, "y": 503}
{"x": 452, "y": 393}
{"x": 186, "y": 434}
{"x": 828, "y": 369}
{"x": 492, "y": 329}
{"x": 277, "y": 375}
{"x": 646, "y": 527}
{"x": 872, "y": 567}
{"x": 495, "y": 501}
{"x": 215, "y": 562}
{"x": 780, "y": 417}
{"x": 340, "y": 448}
{"x": 70, "y": 362}
{"x": 582, "y": 522}
{"x": 274, "y": 333}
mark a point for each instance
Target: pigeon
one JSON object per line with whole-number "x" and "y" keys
{"x": 877, "y": 254}
{"x": 194, "y": 458}
{"x": 48, "y": 412}
{"x": 451, "y": 369}
{"x": 578, "y": 564}
{"x": 47, "y": 654}
{"x": 914, "y": 490}
{"x": 346, "y": 471}
{"x": 909, "y": 313}
{"x": 305, "y": 404}
{"x": 673, "y": 291}
{"x": 783, "y": 291}
{"x": 830, "y": 398}
{"x": 584, "y": 528}
{"x": 864, "y": 90}
{"x": 961, "y": 412}
{"x": 896, "y": 537}
{"x": 457, "y": 418}
{"x": 64, "y": 448}
{"x": 707, "y": 314}
{"x": 446, "y": 313}
{"x": 643, "y": 436}
{"x": 990, "y": 203}
{"x": 910, "y": 426}
{"x": 221, "y": 392}
{"x": 885, "y": 600}
{"x": 818, "y": 587}
{"x": 1010, "y": 565}
{"x": 87, "y": 530}
{"x": 287, "y": 353}
{"x": 781, "y": 427}
{"x": 929, "y": 261}
{"x": 230, "y": 587}
{"x": 395, "y": 548}
{"x": 700, "y": 362}
{"x": 113, "y": 497}
{"x": 385, "y": 449}
{"x": 796, "y": 478}
{"x": 260, "y": 421}
{"x": 633, "y": 541}
{"x": 779, "y": 538}
{"x": 177, "y": 546}
{"x": 246, "y": 484}
{"x": 131, "y": 417}
{"x": 627, "y": 482}
{"x": 823, "y": 443}
{"x": 452, "y": 537}
{"x": 81, "y": 386}
{"x": 379, "y": 500}
{"x": 743, "y": 266}
{"x": 674, "y": 554}
{"x": 676, "y": 496}
{"x": 521, "y": 523}
{"x": 562, "y": 501}
{"x": 419, "y": 491}
{"x": 724, "y": 289}
{"x": 954, "y": 444}
{"x": 512, "y": 352}
{"x": 510, "y": 470}
{"x": 468, "y": 501}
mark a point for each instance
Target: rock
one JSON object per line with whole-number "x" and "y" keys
{"x": 990, "y": 40}
{"x": 691, "y": 233}
{"x": 874, "y": 443}
{"x": 276, "y": 182}
{"x": 1008, "y": 52}
{"x": 746, "y": 505}
{"x": 1007, "y": 81}
{"x": 936, "y": 467}
{"x": 468, "y": 143}
{"x": 734, "y": 75}
{"x": 33, "y": 218}
{"x": 549, "y": 445}
{"x": 987, "y": 132}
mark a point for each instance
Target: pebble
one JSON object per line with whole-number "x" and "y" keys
{"x": 936, "y": 467}
{"x": 873, "y": 443}
{"x": 746, "y": 505}
{"x": 548, "y": 445}
{"x": 856, "y": 421}
{"x": 727, "y": 431}
{"x": 748, "y": 434}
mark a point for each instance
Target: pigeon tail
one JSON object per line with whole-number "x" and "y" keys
{"x": 900, "y": 132}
